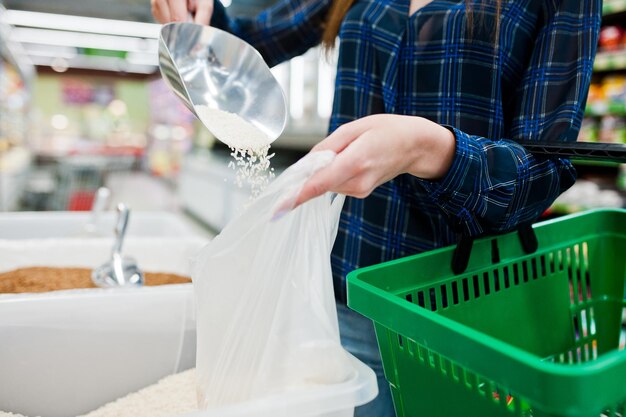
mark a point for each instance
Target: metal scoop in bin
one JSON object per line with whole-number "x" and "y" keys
{"x": 119, "y": 271}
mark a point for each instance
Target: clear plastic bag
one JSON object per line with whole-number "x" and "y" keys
{"x": 266, "y": 316}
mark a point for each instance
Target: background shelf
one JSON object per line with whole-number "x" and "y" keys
{"x": 613, "y": 7}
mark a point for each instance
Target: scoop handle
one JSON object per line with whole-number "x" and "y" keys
{"x": 100, "y": 203}
{"x": 120, "y": 228}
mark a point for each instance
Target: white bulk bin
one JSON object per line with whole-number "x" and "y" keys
{"x": 66, "y": 353}
{"x": 73, "y": 224}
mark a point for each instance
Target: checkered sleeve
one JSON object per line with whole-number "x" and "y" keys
{"x": 494, "y": 184}
{"x": 286, "y": 29}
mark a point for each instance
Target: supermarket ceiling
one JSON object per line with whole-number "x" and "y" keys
{"x": 135, "y": 10}
{"x": 99, "y": 35}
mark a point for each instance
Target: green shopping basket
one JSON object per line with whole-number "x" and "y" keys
{"x": 515, "y": 334}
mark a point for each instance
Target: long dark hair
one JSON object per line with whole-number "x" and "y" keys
{"x": 339, "y": 9}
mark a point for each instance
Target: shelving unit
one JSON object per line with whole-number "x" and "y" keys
{"x": 610, "y": 61}
{"x": 602, "y": 184}
{"x": 611, "y": 7}
{"x": 15, "y": 94}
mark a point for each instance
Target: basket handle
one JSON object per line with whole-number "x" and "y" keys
{"x": 608, "y": 152}
{"x": 463, "y": 250}
{"x": 589, "y": 151}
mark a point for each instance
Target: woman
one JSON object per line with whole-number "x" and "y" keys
{"x": 430, "y": 99}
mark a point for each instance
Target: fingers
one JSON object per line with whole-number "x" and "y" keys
{"x": 338, "y": 171}
{"x": 165, "y": 11}
{"x": 160, "y": 10}
{"x": 203, "y": 11}
{"x": 178, "y": 10}
{"x": 342, "y": 136}
{"x": 350, "y": 173}
{"x": 314, "y": 187}
{"x": 332, "y": 178}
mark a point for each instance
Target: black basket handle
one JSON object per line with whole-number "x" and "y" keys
{"x": 588, "y": 151}
{"x": 606, "y": 152}
{"x": 463, "y": 250}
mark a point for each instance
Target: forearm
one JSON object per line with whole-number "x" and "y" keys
{"x": 493, "y": 186}
{"x": 287, "y": 29}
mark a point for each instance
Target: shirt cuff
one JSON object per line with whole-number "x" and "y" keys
{"x": 458, "y": 191}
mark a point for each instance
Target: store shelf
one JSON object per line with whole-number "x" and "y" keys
{"x": 597, "y": 163}
{"x": 601, "y": 111}
{"x": 588, "y": 194}
{"x": 62, "y": 42}
{"x": 610, "y": 61}
{"x": 613, "y": 7}
{"x": 14, "y": 166}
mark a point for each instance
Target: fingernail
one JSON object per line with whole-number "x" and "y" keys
{"x": 283, "y": 209}
{"x": 279, "y": 215}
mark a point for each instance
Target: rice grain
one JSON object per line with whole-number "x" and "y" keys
{"x": 249, "y": 147}
{"x": 171, "y": 396}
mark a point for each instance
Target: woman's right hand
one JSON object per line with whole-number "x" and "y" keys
{"x": 166, "y": 11}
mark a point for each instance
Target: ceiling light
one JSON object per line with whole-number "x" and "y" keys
{"x": 117, "y": 108}
{"x": 83, "y": 40}
{"x": 59, "y": 64}
{"x": 59, "y": 121}
{"x": 81, "y": 24}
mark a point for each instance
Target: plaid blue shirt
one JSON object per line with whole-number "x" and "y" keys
{"x": 530, "y": 85}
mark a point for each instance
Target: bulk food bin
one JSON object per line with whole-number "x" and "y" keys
{"x": 57, "y": 363}
{"x": 333, "y": 400}
{"x": 71, "y": 224}
{"x": 65, "y": 353}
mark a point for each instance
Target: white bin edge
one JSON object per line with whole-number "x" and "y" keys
{"x": 337, "y": 400}
{"x": 69, "y": 352}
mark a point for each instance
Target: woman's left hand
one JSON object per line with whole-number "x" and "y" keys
{"x": 373, "y": 150}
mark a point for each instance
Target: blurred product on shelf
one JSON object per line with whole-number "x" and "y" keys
{"x": 612, "y": 43}
{"x": 613, "y": 6}
{"x": 603, "y": 184}
{"x": 589, "y": 130}
{"x": 607, "y": 96}
{"x": 605, "y": 119}
{"x": 614, "y": 93}
{"x": 92, "y": 114}
{"x": 612, "y": 38}
{"x": 79, "y": 177}
{"x": 14, "y": 166}
{"x": 587, "y": 194}
{"x": 84, "y": 127}
{"x": 16, "y": 78}
{"x": 612, "y": 129}
{"x": 170, "y": 132}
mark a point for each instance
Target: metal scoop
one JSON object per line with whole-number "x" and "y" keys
{"x": 119, "y": 271}
{"x": 207, "y": 66}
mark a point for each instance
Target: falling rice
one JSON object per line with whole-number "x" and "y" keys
{"x": 248, "y": 144}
